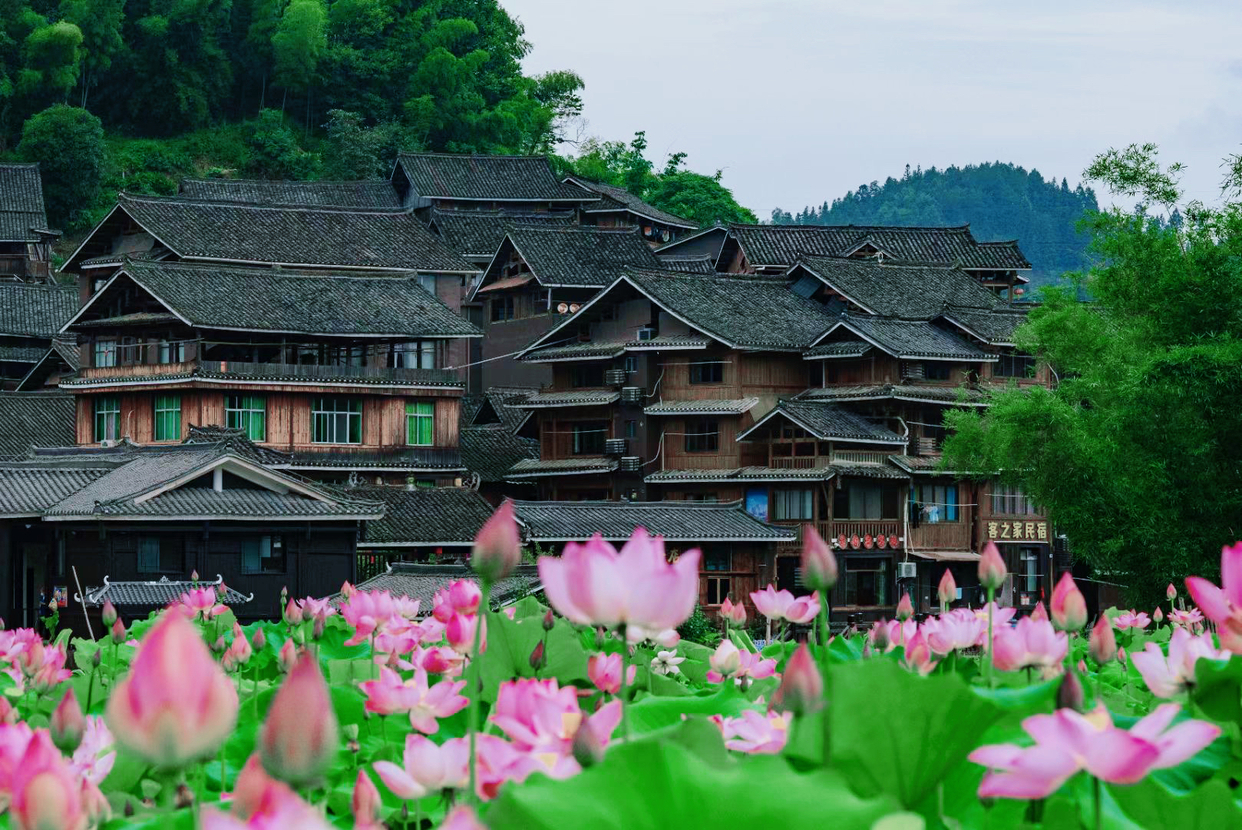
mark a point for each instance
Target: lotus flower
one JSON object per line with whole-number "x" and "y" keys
{"x": 1039, "y": 612}
{"x": 67, "y": 725}
{"x": 1170, "y": 676}
{"x": 1068, "y": 607}
{"x": 365, "y": 804}
{"x": 888, "y": 634}
{"x": 992, "y": 571}
{"x": 430, "y": 703}
{"x": 1223, "y": 605}
{"x": 1103, "y": 644}
{"x": 730, "y": 661}
{"x": 955, "y": 630}
{"x": 819, "y": 566}
{"x": 461, "y": 597}
{"x": 428, "y": 767}
{"x": 299, "y": 738}
{"x": 262, "y": 803}
{"x": 386, "y": 695}
{"x": 95, "y": 755}
{"x": 1186, "y": 618}
{"x": 312, "y": 607}
{"x": 604, "y": 670}
{"x": 1031, "y": 643}
{"x": 802, "y": 686}
{"x": 666, "y": 662}
{"x": 462, "y": 817}
{"x": 497, "y": 548}
{"x": 734, "y": 615}
{"x": 44, "y": 791}
{"x": 460, "y": 631}
{"x": 782, "y": 605}
{"x": 918, "y": 654}
{"x": 591, "y": 584}
{"x": 947, "y": 591}
{"x": 201, "y": 602}
{"x": 537, "y": 715}
{"x": 1129, "y": 619}
{"x": 177, "y": 705}
{"x": 756, "y": 733}
{"x": 668, "y": 637}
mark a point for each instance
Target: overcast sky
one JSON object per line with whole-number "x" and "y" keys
{"x": 799, "y": 101}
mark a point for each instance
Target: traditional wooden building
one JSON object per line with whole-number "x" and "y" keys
{"x": 30, "y": 316}
{"x": 618, "y": 208}
{"x": 455, "y": 181}
{"x": 25, "y": 239}
{"x": 353, "y": 195}
{"x": 343, "y": 370}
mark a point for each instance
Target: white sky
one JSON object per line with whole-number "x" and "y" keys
{"x": 799, "y": 101}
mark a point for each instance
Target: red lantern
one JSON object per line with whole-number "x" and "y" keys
{"x": 868, "y": 542}
{"x": 841, "y": 541}
{"x": 882, "y": 541}
{"x": 892, "y": 542}
{"x": 855, "y": 542}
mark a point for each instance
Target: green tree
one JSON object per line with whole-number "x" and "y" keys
{"x": 298, "y": 43}
{"x": 1134, "y": 453}
{"x": 355, "y": 151}
{"x": 53, "y": 57}
{"x": 100, "y": 23}
{"x": 68, "y": 143}
{"x": 274, "y": 150}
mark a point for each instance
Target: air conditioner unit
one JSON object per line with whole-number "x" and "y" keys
{"x": 615, "y": 377}
{"x": 907, "y": 570}
{"x": 631, "y": 463}
{"x": 614, "y": 446}
{"x": 632, "y": 394}
{"x": 645, "y": 333}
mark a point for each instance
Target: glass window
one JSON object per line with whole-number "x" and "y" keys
{"x": 1028, "y": 573}
{"x": 588, "y": 437}
{"x": 105, "y": 353}
{"x": 1015, "y": 366}
{"x": 866, "y": 501}
{"x": 168, "y": 418}
{"x": 718, "y": 560}
{"x": 503, "y": 308}
{"x": 866, "y": 581}
{"x": 247, "y": 413}
{"x": 631, "y": 428}
{"x": 428, "y": 282}
{"x": 702, "y": 436}
{"x": 707, "y": 373}
{"x": 590, "y": 375}
{"x": 336, "y": 421}
{"x": 161, "y": 554}
{"x": 631, "y": 363}
{"x": 172, "y": 351}
{"x": 264, "y": 555}
{"x": 792, "y": 505}
{"x": 936, "y": 370}
{"x": 1008, "y": 499}
{"x": 420, "y": 354}
{"x": 107, "y": 418}
{"x": 934, "y": 503}
{"x": 709, "y": 498}
{"x": 717, "y": 589}
{"x": 420, "y": 418}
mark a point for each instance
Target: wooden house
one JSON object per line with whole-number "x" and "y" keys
{"x": 456, "y": 181}
{"x": 25, "y": 239}
{"x": 618, "y": 208}
{"x": 30, "y": 316}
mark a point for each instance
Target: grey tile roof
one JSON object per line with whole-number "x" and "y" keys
{"x": 285, "y": 373}
{"x": 548, "y": 400}
{"x": 262, "y": 299}
{"x": 953, "y": 395}
{"x": 618, "y": 199}
{"x": 486, "y": 178}
{"x": 910, "y": 339}
{"x": 760, "y": 473}
{"x": 235, "y": 441}
{"x": 478, "y": 233}
{"x": 702, "y": 476}
{"x": 840, "y": 349}
{"x": 409, "y": 459}
{"x": 921, "y": 464}
{"x": 355, "y": 194}
{"x": 423, "y": 515}
{"x": 676, "y": 521}
{"x": 780, "y": 245}
{"x": 535, "y": 468}
{"x": 684, "y": 341}
{"x": 704, "y": 264}
{"x": 292, "y": 235}
{"x": 21, "y": 354}
{"x": 45, "y": 419}
{"x": 35, "y": 310}
{"x": 26, "y": 491}
{"x": 492, "y": 450}
{"x": 996, "y": 327}
{"x": 421, "y": 582}
{"x": 702, "y": 407}
{"x": 899, "y": 290}
{"x": 826, "y": 422}
{"x": 575, "y": 351}
{"x": 21, "y": 202}
{"x": 580, "y": 256}
{"x": 263, "y": 505}
{"x": 60, "y": 357}
{"x": 495, "y": 406}
{"x": 156, "y": 594}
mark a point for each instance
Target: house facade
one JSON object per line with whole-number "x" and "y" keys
{"x": 25, "y": 238}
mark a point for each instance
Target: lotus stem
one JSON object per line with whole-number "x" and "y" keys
{"x": 991, "y": 666}
{"x": 472, "y": 683}
{"x": 625, "y": 668}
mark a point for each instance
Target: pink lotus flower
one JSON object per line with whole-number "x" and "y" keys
{"x": 954, "y": 630}
{"x": 442, "y": 660}
{"x": 365, "y": 804}
{"x": 462, "y": 817}
{"x": 497, "y": 548}
{"x": 67, "y": 725}
{"x": 668, "y": 637}
{"x": 889, "y": 634}
{"x": 756, "y": 733}
{"x": 802, "y": 686}
{"x": 819, "y": 566}
{"x": 262, "y": 803}
{"x": 730, "y": 661}
{"x": 947, "y": 591}
{"x": 918, "y": 654}
{"x": 201, "y": 602}
{"x": 604, "y": 670}
{"x": 386, "y": 695}
{"x": 287, "y": 656}
{"x": 43, "y": 666}
{"x": 461, "y": 597}
{"x": 1129, "y": 619}
{"x": 591, "y": 584}
{"x": 1223, "y": 605}
{"x": 44, "y": 791}
{"x": 537, "y": 715}
{"x": 905, "y": 608}
{"x": 782, "y": 605}
{"x": 1039, "y": 612}
{"x": 1068, "y": 606}
{"x": 1170, "y": 676}
{"x": 1030, "y": 643}
{"x": 992, "y": 571}
{"x": 95, "y": 755}
{"x": 177, "y": 705}
{"x": 460, "y": 631}
{"x": 1186, "y": 618}
{"x": 430, "y": 703}
{"x": 367, "y": 611}
{"x": 428, "y": 767}
{"x": 311, "y": 607}
{"x": 1103, "y": 643}
{"x": 299, "y": 738}
{"x": 734, "y": 615}
{"x": 1066, "y": 742}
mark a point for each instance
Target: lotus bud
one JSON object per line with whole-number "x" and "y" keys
{"x": 96, "y": 658}
{"x": 905, "y": 608}
{"x": 288, "y": 656}
{"x": 350, "y": 731}
{"x": 32, "y": 658}
{"x": 347, "y": 589}
{"x": 1103, "y": 644}
{"x": 44, "y": 792}
{"x": 1068, "y": 607}
{"x": 365, "y": 804}
{"x": 1158, "y": 615}
{"x": 992, "y": 571}
{"x": 194, "y": 576}
{"x": 67, "y": 724}
{"x": 1082, "y": 666}
{"x": 587, "y": 750}
{"x": 802, "y": 687}
{"x": 320, "y": 620}
{"x": 726, "y": 660}
{"x": 1170, "y": 593}
{"x": 947, "y": 590}
{"x": 259, "y": 639}
{"x": 819, "y": 566}
{"x": 299, "y": 738}
{"x": 1, "y": 624}
{"x": 879, "y": 636}
{"x": 7, "y": 713}
{"x": 1040, "y": 613}
{"x": 733, "y": 615}
{"x": 108, "y": 615}
{"x": 462, "y": 817}
{"x": 1069, "y": 693}
{"x": 118, "y": 632}
{"x": 497, "y": 548}
{"x": 460, "y": 633}
{"x": 1122, "y": 659}
{"x": 549, "y": 620}
{"x": 293, "y": 614}
{"x": 537, "y": 658}
{"x": 219, "y": 645}
{"x": 222, "y": 591}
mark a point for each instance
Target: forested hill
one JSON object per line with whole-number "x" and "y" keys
{"x": 999, "y": 201}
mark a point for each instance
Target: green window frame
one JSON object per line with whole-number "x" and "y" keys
{"x": 247, "y": 413}
{"x": 420, "y": 420}
{"x": 107, "y": 418}
{"x": 336, "y": 421}
{"x": 167, "y": 417}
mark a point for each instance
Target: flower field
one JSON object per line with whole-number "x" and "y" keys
{"x": 366, "y": 711}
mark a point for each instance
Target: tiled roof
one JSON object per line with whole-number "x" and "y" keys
{"x": 158, "y": 593}
{"x": 62, "y": 353}
{"x": 548, "y": 400}
{"x": 580, "y": 256}
{"x": 261, "y": 299}
{"x": 702, "y": 476}
{"x": 26, "y": 491}
{"x": 910, "y": 339}
{"x": 21, "y": 202}
{"x": 689, "y": 264}
{"x": 759, "y": 473}
{"x": 238, "y": 503}
{"x": 841, "y": 349}
{"x": 931, "y": 394}
{"x": 920, "y": 464}
{"x": 478, "y": 233}
{"x": 576, "y": 351}
{"x": 780, "y": 245}
{"x": 535, "y": 468}
{"x": 356, "y": 194}
{"x": 235, "y": 441}
{"x": 45, "y": 419}
{"x": 681, "y": 341}
{"x": 492, "y": 450}
{"x": 702, "y": 407}
{"x": 421, "y": 582}
{"x": 486, "y": 178}
{"x": 826, "y": 422}
{"x": 35, "y": 310}
{"x": 21, "y": 354}
{"x": 294, "y": 236}
{"x": 409, "y": 459}
{"x": 135, "y": 318}
{"x": 898, "y": 290}
{"x": 277, "y": 373}
{"x": 423, "y": 515}
{"x": 676, "y": 521}
{"x": 495, "y": 406}
{"x": 996, "y": 326}
{"x": 618, "y": 198}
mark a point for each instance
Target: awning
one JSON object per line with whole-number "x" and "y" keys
{"x": 507, "y": 282}
{"x": 947, "y": 555}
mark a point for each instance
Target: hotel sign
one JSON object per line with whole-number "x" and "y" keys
{"x": 1016, "y": 531}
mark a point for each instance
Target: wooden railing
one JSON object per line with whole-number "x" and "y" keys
{"x": 851, "y": 527}
{"x": 941, "y": 536}
{"x": 245, "y": 368}
{"x": 851, "y": 457}
{"x": 859, "y": 457}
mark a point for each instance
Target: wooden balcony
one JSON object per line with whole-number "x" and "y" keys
{"x": 845, "y": 457}
{"x": 946, "y": 536}
{"x": 862, "y": 528}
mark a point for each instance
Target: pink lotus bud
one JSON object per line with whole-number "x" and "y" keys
{"x": 299, "y": 739}
{"x": 259, "y": 639}
{"x": 549, "y": 620}
{"x": 347, "y": 589}
{"x": 992, "y": 571}
{"x": 219, "y": 645}
{"x": 460, "y": 633}
{"x": 462, "y": 817}
{"x": 819, "y": 566}
{"x": 194, "y": 576}
{"x": 465, "y": 596}
{"x": 537, "y": 659}
{"x": 947, "y": 590}
{"x": 734, "y": 615}
{"x": 1070, "y": 693}
{"x": 497, "y": 548}
{"x": 918, "y": 654}
{"x": 1158, "y": 615}
{"x": 67, "y": 725}
{"x": 321, "y": 620}
{"x": 726, "y": 660}
{"x": 1103, "y": 644}
{"x": 46, "y": 794}
{"x": 365, "y": 803}
{"x": 1068, "y": 607}
{"x": 176, "y": 705}
{"x": 288, "y": 656}
{"x": 1040, "y": 613}
{"x": 1170, "y": 592}
{"x": 1122, "y": 659}
{"x": 802, "y": 687}
{"x": 587, "y": 748}
{"x": 879, "y": 635}
{"x": 118, "y": 632}
{"x": 31, "y": 660}
{"x": 293, "y": 613}
{"x": 7, "y": 713}
{"x": 905, "y": 608}
{"x": 108, "y": 615}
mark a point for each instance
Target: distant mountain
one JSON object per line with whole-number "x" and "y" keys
{"x": 998, "y": 201}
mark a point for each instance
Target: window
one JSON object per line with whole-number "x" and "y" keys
{"x": 934, "y": 503}
{"x": 247, "y": 413}
{"x": 866, "y": 581}
{"x": 631, "y": 363}
{"x": 717, "y": 589}
{"x": 264, "y": 555}
{"x": 503, "y": 308}
{"x": 707, "y": 373}
{"x": 420, "y": 354}
{"x": 420, "y": 419}
{"x": 936, "y": 370}
{"x": 792, "y": 505}
{"x": 590, "y": 375}
{"x": 588, "y": 437}
{"x": 718, "y": 560}
{"x": 167, "y": 417}
{"x": 336, "y": 421}
{"x": 631, "y": 428}
{"x": 1028, "y": 575}
{"x": 161, "y": 554}
{"x": 1015, "y": 366}
{"x": 105, "y": 353}
{"x": 865, "y": 501}
{"x": 171, "y": 351}
{"x": 107, "y": 418}
{"x": 1009, "y": 499}
{"x": 702, "y": 436}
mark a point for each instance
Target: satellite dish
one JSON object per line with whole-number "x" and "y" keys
{"x": 573, "y": 309}
{"x": 563, "y": 308}
{"x": 1018, "y": 292}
